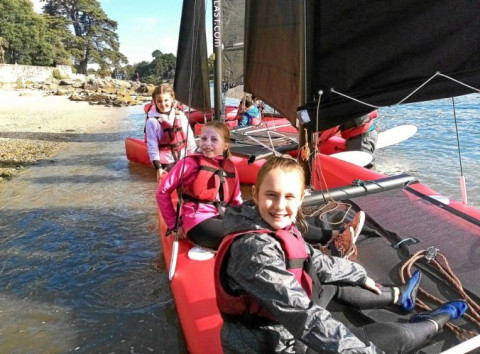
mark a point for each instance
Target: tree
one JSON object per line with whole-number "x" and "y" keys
{"x": 160, "y": 69}
{"x": 3, "y": 46}
{"x": 26, "y": 33}
{"x": 60, "y": 37}
{"x": 211, "y": 65}
{"x": 96, "y": 39}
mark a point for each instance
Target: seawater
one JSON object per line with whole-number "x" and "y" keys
{"x": 433, "y": 154}
{"x": 78, "y": 242}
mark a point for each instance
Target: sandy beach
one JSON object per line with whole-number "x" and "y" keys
{"x": 35, "y": 126}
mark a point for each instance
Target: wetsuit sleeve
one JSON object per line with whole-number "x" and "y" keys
{"x": 257, "y": 266}
{"x": 331, "y": 269}
{"x": 153, "y": 130}
{"x": 171, "y": 182}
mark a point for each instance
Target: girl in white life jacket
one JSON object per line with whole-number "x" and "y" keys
{"x": 167, "y": 131}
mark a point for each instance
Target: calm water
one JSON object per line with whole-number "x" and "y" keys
{"x": 79, "y": 233}
{"x": 432, "y": 154}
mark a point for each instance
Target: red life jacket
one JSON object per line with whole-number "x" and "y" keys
{"x": 215, "y": 181}
{"x": 173, "y": 138}
{"x": 297, "y": 262}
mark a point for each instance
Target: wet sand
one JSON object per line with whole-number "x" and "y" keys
{"x": 34, "y": 126}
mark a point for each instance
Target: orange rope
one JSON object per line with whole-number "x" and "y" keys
{"x": 440, "y": 262}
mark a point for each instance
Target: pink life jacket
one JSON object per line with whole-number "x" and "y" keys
{"x": 297, "y": 262}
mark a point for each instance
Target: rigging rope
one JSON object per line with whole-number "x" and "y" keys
{"x": 440, "y": 263}
{"x": 331, "y": 205}
{"x": 458, "y": 138}
{"x": 410, "y": 94}
{"x": 318, "y": 170}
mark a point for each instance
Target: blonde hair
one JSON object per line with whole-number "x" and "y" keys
{"x": 224, "y": 132}
{"x": 163, "y": 89}
{"x": 286, "y": 164}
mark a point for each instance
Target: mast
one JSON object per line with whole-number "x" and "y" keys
{"x": 217, "y": 51}
{"x": 306, "y": 89}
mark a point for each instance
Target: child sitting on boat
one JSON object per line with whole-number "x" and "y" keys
{"x": 360, "y": 133}
{"x": 250, "y": 113}
{"x": 208, "y": 182}
{"x": 168, "y": 134}
{"x": 264, "y": 287}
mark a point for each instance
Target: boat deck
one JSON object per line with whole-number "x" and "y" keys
{"x": 404, "y": 214}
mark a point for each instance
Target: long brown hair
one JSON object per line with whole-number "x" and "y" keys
{"x": 224, "y": 132}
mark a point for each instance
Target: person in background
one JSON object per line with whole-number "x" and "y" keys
{"x": 259, "y": 103}
{"x": 360, "y": 133}
{"x": 167, "y": 131}
{"x": 264, "y": 287}
{"x": 250, "y": 114}
{"x": 208, "y": 182}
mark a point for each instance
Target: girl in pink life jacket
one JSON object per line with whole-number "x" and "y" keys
{"x": 169, "y": 136}
{"x": 263, "y": 281}
{"x": 208, "y": 182}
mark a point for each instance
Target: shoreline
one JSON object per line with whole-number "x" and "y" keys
{"x": 35, "y": 126}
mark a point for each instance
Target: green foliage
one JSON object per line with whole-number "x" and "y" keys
{"x": 58, "y": 75}
{"x": 211, "y": 64}
{"x": 97, "y": 41}
{"x": 160, "y": 69}
{"x": 30, "y": 38}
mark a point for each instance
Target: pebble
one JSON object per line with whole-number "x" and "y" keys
{"x": 18, "y": 153}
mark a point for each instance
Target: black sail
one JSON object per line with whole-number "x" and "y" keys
{"x": 377, "y": 52}
{"x": 191, "y": 73}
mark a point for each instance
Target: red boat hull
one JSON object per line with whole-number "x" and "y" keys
{"x": 194, "y": 293}
{"x": 193, "y": 284}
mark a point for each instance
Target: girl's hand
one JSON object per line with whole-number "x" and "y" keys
{"x": 160, "y": 173}
{"x": 181, "y": 233}
{"x": 372, "y": 286}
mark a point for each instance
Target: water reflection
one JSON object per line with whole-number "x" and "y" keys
{"x": 79, "y": 234}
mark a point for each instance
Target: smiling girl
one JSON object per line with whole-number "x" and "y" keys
{"x": 208, "y": 182}
{"x": 263, "y": 281}
{"x": 168, "y": 134}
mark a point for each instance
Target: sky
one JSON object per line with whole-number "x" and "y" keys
{"x": 146, "y": 25}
